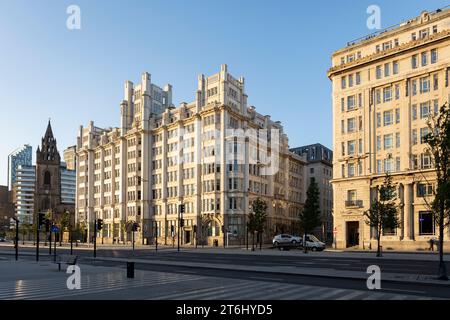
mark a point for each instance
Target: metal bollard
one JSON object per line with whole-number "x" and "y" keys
{"x": 130, "y": 270}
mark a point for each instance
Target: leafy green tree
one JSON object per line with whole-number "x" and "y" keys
{"x": 439, "y": 142}
{"x": 382, "y": 214}
{"x": 309, "y": 217}
{"x": 63, "y": 223}
{"x": 256, "y": 220}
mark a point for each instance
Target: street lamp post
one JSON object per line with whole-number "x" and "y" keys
{"x": 16, "y": 246}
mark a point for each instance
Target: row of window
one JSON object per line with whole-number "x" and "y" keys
{"x": 387, "y": 69}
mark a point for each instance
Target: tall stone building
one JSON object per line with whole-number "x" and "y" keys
{"x": 69, "y": 155}
{"x": 47, "y": 192}
{"x": 162, "y": 157}
{"x": 385, "y": 86}
{"x": 320, "y": 167}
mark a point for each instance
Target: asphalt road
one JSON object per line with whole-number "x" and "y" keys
{"x": 300, "y": 260}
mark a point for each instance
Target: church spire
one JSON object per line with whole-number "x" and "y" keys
{"x": 48, "y": 133}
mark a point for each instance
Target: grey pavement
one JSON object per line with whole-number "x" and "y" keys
{"x": 41, "y": 280}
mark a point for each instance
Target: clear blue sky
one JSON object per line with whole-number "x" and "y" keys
{"x": 282, "y": 48}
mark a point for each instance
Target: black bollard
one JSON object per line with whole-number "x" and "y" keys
{"x": 130, "y": 270}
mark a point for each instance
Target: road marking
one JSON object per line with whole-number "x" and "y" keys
{"x": 265, "y": 278}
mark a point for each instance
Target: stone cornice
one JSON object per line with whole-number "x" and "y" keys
{"x": 390, "y": 52}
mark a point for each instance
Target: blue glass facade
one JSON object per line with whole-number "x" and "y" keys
{"x": 20, "y": 157}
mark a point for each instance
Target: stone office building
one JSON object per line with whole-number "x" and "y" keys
{"x": 162, "y": 156}
{"x": 384, "y": 88}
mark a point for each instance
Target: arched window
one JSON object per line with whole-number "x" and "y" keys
{"x": 45, "y": 204}
{"x": 47, "y": 178}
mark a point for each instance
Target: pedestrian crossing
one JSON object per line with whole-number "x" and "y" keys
{"x": 112, "y": 283}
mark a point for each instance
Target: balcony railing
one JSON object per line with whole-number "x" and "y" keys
{"x": 353, "y": 203}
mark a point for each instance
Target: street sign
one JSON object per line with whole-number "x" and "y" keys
{"x": 55, "y": 229}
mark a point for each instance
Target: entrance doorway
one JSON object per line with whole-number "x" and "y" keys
{"x": 188, "y": 237}
{"x": 352, "y": 233}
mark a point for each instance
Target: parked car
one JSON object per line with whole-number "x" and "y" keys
{"x": 2, "y": 239}
{"x": 286, "y": 239}
{"x": 313, "y": 243}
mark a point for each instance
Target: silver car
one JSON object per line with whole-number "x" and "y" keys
{"x": 284, "y": 238}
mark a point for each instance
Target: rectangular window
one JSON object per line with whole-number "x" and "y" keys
{"x": 414, "y": 112}
{"x": 435, "y": 29}
{"x": 360, "y": 168}
{"x": 424, "y": 58}
{"x": 388, "y": 118}
{"x": 424, "y": 84}
{"x": 397, "y": 164}
{"x": 435, "y": 81}
{"x": 350, "y": 102}
{"x": 351, "y": 147}
{"x": 351, "y": 125}
{"x": 378, "y": 119}
{"x": 342, "y": 170}
{"x": 426, "y": 223}
{"x": 434, "y": 56}
{"x": 343, "y": 148}
{"x": 414, "y": 87}
{"x": 360, "y": 100}
{"x": 424, "y": 190}
{"x": 379, "y": 168}
{"x": 397, "y": 115}
{"x": 388, "y": 165}
{"x": 413, "y": 36}
{"x": 414, "y": 61}
{"x": 397, "y": 91}
{"x": 360, "y": 123}
{"x": 343, "y": 82}
{"x": 350, "y": 81}
{"x": 395, "y": 67}
{"x": 358, "y": 78}
{"x": 378, "y": 96}
{"x": 360, "y": 146}
{"x": 388, "y": 141}
{"x": 387, "y": 94}
{"x": 342, "y": 126}
{"x": 425, "y": 109}
{"x": 378, "y": 72}
{"x": 423, "y": 134}
{"x": 397, "y": 139}
{"x": 351, "y": 170}
{"x": 436, "y": 106}
{"x": 425, "y": 160}
{"x": 378, "y": 143}
{"x": 414, "y": 137}
{"x": 342, "y": 104}
{"x": 387, "y": 69}
{"x": 424, "y": 33}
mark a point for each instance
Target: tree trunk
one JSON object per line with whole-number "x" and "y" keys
{"x": 260, "y": 241}
{"x": 379, "y": 242}
{"x": 442, "y": 272}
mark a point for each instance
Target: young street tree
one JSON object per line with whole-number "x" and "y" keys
{"x": 256, "y": 220}
{"x": 439, "y": 142}
{"x": 382, "y": 215}
{"x": 310, "y": 215}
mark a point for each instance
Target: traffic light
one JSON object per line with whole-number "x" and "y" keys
{"x": 135, "y": 227}
{"x": 99, "y": 224}
{"x": 182, "y": 223}
{"x": 41, "y": 219}
{"x": 181, "y": 208}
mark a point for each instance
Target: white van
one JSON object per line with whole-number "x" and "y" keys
{"x": 313, "y": 243}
